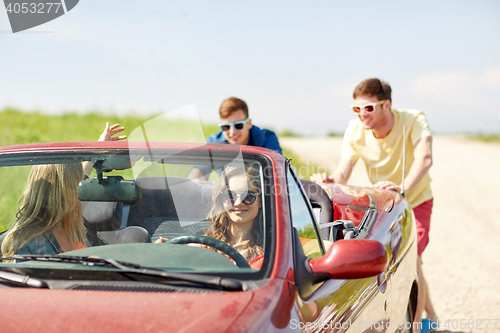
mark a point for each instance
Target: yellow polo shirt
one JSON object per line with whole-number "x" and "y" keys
{"x": 384, "y": 157}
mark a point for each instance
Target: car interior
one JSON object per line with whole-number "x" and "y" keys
{"x": 332, "y": 227}
{"x": 170, "y": 207}
{"x": 175, "y": 206}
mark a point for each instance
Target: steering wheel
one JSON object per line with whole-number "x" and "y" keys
{"x": 216, "y": 244}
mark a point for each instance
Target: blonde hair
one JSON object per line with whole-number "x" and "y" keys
{"x": 49, "y": 199}
{"x": 219, "y": 226}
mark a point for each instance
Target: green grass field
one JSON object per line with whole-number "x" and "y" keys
{"x": 19, "y": 127}
{"x": 493, "y": 138}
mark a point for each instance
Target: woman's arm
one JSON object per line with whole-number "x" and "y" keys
{"x": 107, "y": 135}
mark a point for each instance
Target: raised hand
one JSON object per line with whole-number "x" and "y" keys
{"x": 110, "y": 131}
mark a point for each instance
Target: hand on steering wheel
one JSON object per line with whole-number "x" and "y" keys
{"x": 216, "y": 244}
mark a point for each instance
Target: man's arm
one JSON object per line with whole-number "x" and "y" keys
{"x": 340, "y": 175}
{"x": 196, "y": 173}
{"x": 202, "y": 172}
{"x": 422, "y": 163}
{"x": 420, "y": 166}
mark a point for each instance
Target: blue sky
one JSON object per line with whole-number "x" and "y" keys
{"x": 294, "y": 62}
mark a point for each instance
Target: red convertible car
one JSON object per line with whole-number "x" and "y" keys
{"x": 158, "y": 257}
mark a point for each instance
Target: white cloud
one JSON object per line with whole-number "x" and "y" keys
{"x": 439, "y": 83}
{"x": 457, "y": 100}
{"x": 456, "y": 82}
{"x": 493, "y": 75}
{"x": 343, "y": 90}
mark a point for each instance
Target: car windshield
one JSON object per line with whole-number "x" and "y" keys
{"x": 197, "y": 210}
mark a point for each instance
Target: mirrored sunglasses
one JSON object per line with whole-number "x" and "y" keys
{"x": 237, "y": 125}
{"x": 369, "y": 108}
{"x": 246, "y": 197}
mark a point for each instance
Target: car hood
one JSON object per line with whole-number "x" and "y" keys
{"x": 24, "y": 310}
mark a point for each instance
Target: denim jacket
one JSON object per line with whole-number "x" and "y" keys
{"x": 43, "y": 244}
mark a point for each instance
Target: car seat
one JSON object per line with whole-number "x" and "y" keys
{"x": 330, "y": 230}
{"x": 171, "y": 206}
{"x": 103, "y": 221}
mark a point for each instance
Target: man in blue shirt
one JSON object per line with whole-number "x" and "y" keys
{"x": 236, "y": 128}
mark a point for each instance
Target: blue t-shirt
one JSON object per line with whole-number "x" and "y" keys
{"x": 259, "y": 137}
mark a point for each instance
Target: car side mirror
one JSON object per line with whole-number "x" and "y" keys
{"x": 346, "y": 259}
{"x": 351, "y": 259}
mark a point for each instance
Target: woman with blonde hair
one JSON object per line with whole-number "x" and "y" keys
{"x": 49, "y": 220}
{"x": 236, "y": 215}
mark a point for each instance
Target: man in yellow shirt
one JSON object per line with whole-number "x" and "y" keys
{"x": 377, "y": 137}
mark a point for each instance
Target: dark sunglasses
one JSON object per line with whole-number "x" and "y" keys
{"x": 246, "y": 197}
{"x": 237, "y": 124}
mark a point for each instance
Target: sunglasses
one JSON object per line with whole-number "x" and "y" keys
{"x": 246, "y": 197}
{"x": 237, "y": 125}
{"x": 369, "y": 108}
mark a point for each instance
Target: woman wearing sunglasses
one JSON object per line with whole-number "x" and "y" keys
{"x": 236, "y": 214}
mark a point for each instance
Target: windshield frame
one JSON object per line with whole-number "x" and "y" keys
{"x": 192, "y": 155}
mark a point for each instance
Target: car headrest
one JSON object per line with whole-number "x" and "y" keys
{"x": 171, "y": 197}
{"x": 102, "y": 216}
{"x": 319, "y": 198}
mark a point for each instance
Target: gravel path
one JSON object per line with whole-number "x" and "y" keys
{"x": 462, "y": 260}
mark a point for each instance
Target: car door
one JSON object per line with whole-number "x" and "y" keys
{"x": 335, "y": 305}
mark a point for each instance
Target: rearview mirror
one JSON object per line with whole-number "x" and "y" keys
{"x": 110, "y": 188}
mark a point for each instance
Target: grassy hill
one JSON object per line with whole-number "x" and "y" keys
{"x": 21, "y": 128}
{"x": 493, "y": 138}
{"x": 17, "y": 127}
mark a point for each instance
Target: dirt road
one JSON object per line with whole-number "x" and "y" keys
{"x": 462, "y": 260}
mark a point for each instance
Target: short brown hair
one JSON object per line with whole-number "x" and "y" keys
{"x": 230, "y": 105}
{"x": 373, "y": 87}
